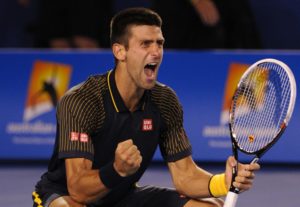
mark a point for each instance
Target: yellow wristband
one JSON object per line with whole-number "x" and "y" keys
{"x": 217, "y": 185}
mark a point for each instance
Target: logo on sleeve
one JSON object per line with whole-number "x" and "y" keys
{"x": 82, "y": 137}
{"x": 74, "y": 136}
{"x": 147, "y": 125}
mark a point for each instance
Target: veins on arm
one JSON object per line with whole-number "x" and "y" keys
{"x": 189, "y": 179}
{"x": 84, "y": 183}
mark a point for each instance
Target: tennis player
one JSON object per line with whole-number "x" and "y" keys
{"x": 109, "y": 127}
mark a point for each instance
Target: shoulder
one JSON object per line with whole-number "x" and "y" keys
{"x": 163, "y": 94}
{"x": 92, "y": 85}
{"x": 168, "y": 103}
{"x": 84, "y": 95}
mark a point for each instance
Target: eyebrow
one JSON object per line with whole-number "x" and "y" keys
{"x": 147, "y": 41}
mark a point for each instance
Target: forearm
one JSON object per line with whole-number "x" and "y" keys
{"x": 195, "y": 185}
{"x": 189, "y": 179}
{"x": 84, "y": 183}
{"x": 87, "y": 187}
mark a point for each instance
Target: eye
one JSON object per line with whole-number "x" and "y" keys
{"x": 160, "y": 43}
{"x": 146, "y": 43}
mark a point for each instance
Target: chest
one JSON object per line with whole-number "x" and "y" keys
{"x": 143, "y": 127}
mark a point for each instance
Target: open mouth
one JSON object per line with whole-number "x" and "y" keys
{"x": 150, "y": 69}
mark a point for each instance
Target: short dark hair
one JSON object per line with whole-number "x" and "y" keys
{"x": 120, "y": 23}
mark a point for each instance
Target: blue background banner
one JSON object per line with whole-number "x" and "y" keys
{"x": 200, "y": 80}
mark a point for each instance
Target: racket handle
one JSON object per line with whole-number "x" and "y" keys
{"x": 231, "y": 199}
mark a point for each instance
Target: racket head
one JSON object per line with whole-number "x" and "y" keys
{"x": 262, "y": 106}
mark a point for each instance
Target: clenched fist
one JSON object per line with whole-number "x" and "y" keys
{"x": 127, "y": 158}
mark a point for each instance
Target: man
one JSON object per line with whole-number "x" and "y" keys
{"x": 109, "y": 127}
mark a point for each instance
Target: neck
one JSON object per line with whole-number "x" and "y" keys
{"x": 128, "y": 90}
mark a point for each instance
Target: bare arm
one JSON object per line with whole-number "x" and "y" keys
{"x": 192, "y": 181}
{"x": 189, "y": 179}
{"x": 85, "y": 184}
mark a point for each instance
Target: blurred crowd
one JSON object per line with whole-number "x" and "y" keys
{"x": 187, "y": 24}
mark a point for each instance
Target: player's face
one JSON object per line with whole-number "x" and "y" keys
{"x": 144, "y": 55}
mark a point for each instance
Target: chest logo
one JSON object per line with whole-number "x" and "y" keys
{"x": 147, "y": 125}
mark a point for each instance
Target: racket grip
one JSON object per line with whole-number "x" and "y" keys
{"x": 231, "y": 199}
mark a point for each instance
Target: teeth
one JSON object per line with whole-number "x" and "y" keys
{"x": 151, "y": 66}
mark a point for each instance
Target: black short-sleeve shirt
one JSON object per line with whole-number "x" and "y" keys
{"x": 92, "y": 119}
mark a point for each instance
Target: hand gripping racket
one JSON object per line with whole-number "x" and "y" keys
{"x": 260, "y": 111}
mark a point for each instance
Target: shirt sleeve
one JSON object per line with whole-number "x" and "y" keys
{"x": 174, "y": 143}
{"x": 78, "y": 117}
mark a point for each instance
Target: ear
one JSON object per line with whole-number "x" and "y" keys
{"x": 119, "y": 51}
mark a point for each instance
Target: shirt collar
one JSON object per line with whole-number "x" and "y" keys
{"x": 116, "y": 98}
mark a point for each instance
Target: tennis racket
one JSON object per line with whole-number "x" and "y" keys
{"x": 260, "y": 111}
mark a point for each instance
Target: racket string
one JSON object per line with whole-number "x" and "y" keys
{"x": 262, "y": 134}
{"x": 286, "y": 93}
{"x": 253, "y": 121}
